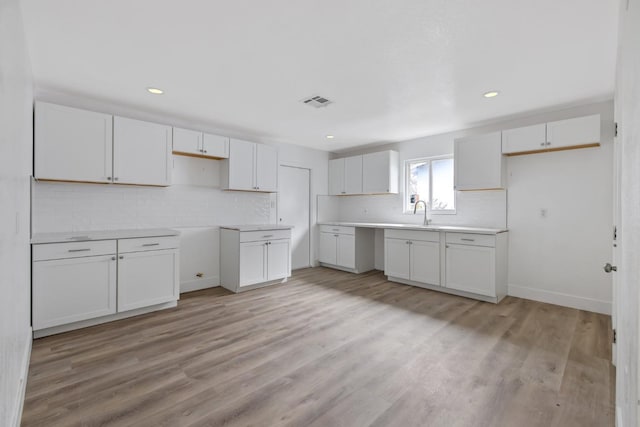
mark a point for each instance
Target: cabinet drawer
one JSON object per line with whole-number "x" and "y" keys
{"x": 253, "y": 236}
{"x": 337, "y": 229}
{"x": 426, "y": 236}
{"x": 50, "y": 251}
{"x": 148, "y": 244}
{"x": 471, "y": 239}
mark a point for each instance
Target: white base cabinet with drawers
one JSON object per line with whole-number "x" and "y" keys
{"x": 347, "y": 248}
{"x": 250, "y": 259}
{"x": 466, "y": 264}
{"x": 78, "y": 284}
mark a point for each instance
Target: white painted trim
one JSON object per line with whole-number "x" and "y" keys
{"x": 557, "y": 298}
{"x": 198, "y": 284}
{"x": 438, "y": 288}
{"x": 104, "y": 319}
{"x": 24, "y": 374}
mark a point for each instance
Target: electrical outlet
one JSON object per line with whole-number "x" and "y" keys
{"x": 543, "y": 212}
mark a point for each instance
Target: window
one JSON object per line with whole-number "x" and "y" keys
{"x": 431, "y": 180}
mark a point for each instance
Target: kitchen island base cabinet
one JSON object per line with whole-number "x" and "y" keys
{"x": 252, "y": 259}
{"x": 350, "y": 249}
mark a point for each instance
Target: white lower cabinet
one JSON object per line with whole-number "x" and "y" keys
{"x": 413, "y": 256}
{"x": 477, "y": 264}
{"x": 252, "y": 258}
{"x": 73, "y": 289}
{"x": 96, "y": 281}
{"x": 472, "y": 265}
{"x": 347, "y": 248}
{"x": 147, "y": 278}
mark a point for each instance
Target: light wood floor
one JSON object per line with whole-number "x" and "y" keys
{"x": 329, "y": 349}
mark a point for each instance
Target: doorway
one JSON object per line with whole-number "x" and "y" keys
{"x": 294, "y": 208}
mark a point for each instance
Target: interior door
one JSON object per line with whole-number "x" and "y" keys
{"x": 294, "y": 209}
{"x": 627, "y": 282}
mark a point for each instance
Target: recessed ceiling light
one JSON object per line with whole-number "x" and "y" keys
{"x": 491, "y": 94}
{"x": 330, "y": 136}
{"x": 155, "y": 90}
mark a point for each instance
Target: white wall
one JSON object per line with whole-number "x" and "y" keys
{"x": 15, "y": 167}
{"x": 557, "y": 259}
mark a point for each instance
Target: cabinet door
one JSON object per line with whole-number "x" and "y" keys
{"x": 253, "y": 263}
{"x": 471, "y": 269}
{"x": 353, "y": 175}
{"x": 346, "y": 251}
{"x": 529, "y": 138}
{"x": 327, "y": 251}
{"x": 215, "y": 146}
{"x": 72, "y": 144}
{"x": 425, "y": 262}
{"x": 579, "y": 131}
{"x": 266, "y": 168}
{"x": 147, "y": 278}
{"x": 187, "y": 141}
{"x": 397, "y": 258}
{"x": 141, "y": 152}
{"x": 380, "y": 172}
{"x": 71, "y": 290}
{"x": 278, "y": 259}
{"x": 478, "y": 162}
{"x": 336, "y": 177}
{"x": 241, "y": 165}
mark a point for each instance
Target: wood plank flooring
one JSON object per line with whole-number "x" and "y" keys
{"x": 329, "y": 349}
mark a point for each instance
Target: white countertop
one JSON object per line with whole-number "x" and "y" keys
{"x": 83, "y": 236}
{"x": 431, "y": 227}
{"x": 257, "y": 227}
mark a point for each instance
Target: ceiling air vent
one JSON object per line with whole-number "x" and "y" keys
{"x": 316, "y": 101}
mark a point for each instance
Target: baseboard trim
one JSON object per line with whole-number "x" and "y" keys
{"x": 557, "y": 298}
{"x": 24, "y": 375}
{"x": 198, "y": 284}
{"x": 104, "y": 319}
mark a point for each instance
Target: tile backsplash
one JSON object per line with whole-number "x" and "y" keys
{"x": 78, "y": 207}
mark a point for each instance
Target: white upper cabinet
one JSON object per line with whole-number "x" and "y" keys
{"x": 353, "y": 175}
{"x": 380, "y": 172}
{"x": 141, "y": 152}
{"x": 215, "y": 146}
{"x": 478, "y": 162}
{"x": 336, "y": 177}
{"x": 345, "y": 176}
{"x": 524, "y": 139}
{"x": 250, "y": 167}
{"x": 72, "y": 144}
{"x": 580, "y": 131}
{"x": 266, "y": 167}
{"x": 187, "y": 141}
{"x": 198, "y": 144}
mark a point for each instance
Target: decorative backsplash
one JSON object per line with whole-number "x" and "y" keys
{"x": 79, "y": 207}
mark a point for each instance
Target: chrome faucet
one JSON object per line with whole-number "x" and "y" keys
{"x": 426, "y": 209}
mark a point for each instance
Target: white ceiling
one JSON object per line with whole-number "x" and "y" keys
{"x": 395, "y": 69}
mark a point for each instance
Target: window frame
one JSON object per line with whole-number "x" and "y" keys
{"x": 405, "y": 199}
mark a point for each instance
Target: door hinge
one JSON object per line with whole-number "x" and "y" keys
{"x": 615, "y": 233}
{"x": 615, "y": 336}
{"x": 615, "y": 131}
